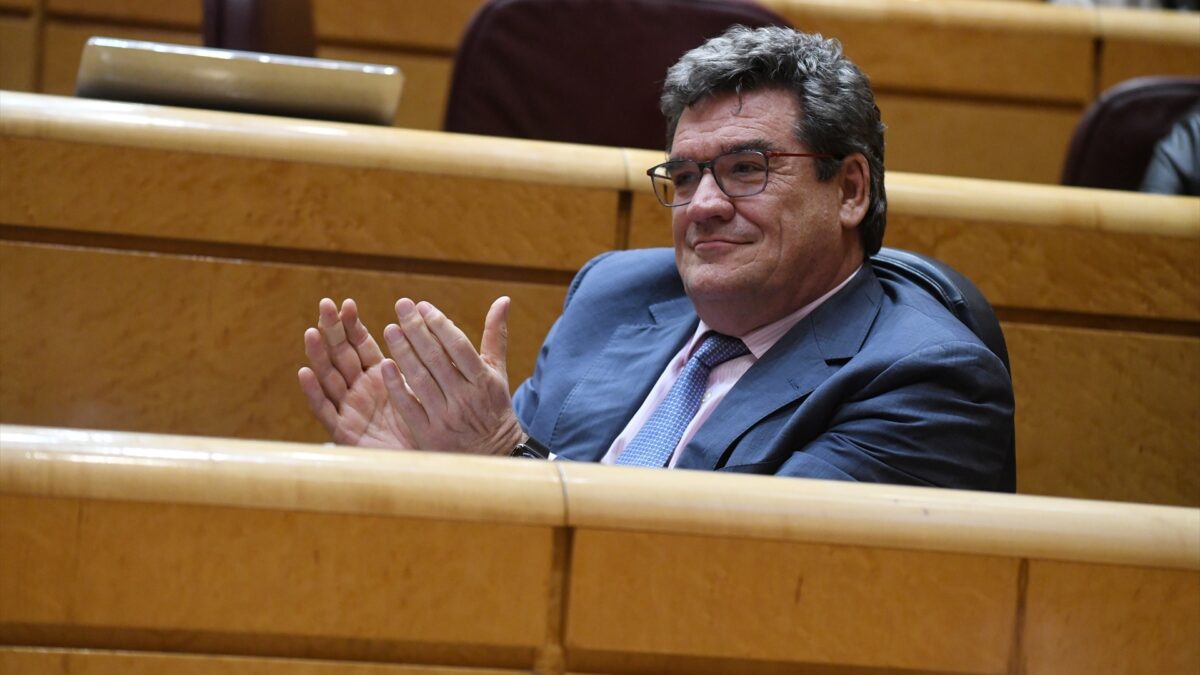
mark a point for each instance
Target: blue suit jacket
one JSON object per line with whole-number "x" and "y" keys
{"x": 881, "y": 383}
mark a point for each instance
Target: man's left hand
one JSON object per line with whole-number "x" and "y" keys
{"x": 451, "y": 397}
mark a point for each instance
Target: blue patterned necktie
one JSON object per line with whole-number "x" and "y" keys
{"x": 656, "y": 440}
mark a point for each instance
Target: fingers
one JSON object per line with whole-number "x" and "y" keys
{"x": 414, "y": 414}
{"x": 455, "y": 343}
{"x": 493, "y": 347}
{"x": 329, "y": 378}
{"x": 359, "y": 337}
{"x": 341, "y": 353}
{"x": 318, "y": 402}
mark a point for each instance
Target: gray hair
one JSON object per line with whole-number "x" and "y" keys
{"x": 838, "y": 114}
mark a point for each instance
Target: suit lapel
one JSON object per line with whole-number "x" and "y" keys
{"x": 619, "y": 379}
{"x": 807, "y": 355}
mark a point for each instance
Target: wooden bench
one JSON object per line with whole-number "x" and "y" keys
{"x": 160, "y": 552}
{"x": 967, "y": 88}
{"x": 162, "y": 263}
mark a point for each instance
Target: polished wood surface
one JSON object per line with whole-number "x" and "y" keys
{"x": 968, "y": 88}
{"x": 242, "y": 222}
{"x": 203, "y": 547}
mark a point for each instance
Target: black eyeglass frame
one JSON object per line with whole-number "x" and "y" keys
{"x": 766, "y": 155}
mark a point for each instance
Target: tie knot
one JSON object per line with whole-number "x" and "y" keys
{"x": 716, "y": 349}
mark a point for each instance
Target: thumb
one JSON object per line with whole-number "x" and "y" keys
{"x": 493, "y": 348}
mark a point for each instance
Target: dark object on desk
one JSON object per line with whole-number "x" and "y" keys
{"x": 580, "y": 71}
{"x": 1114, "y": 139}
{"x": 270, "y": 26}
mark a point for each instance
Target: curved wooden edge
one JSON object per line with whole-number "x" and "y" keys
{"x": 37, "y": 461}
{"x": 983, "y": 200}
{"x": 140, "y": 125}
{"x": 887, "y": 516}
{"x": 51, "y": 462}
{"x": 1041, "y": 18}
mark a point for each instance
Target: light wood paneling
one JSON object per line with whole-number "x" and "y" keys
{"x": 1134, "y": 43}
{"x": 169, "y": 12}
{"x": 93, "y": 662}
{"x": 413, "y": 23}
{"x": 1106, "y": 414}
{"x": 203, "y": 346}
{"x": 263, "y": 581}
{"x": 18, "y": 53}
{"x": 1098, "y": 619}
{"x": 265, "y": 549}
{"x": 64, "y": 44}
{"x": 426, "y": 82}
{"x": 1125, "y": 59}
{"x": 204, "y": 197}
{"x": 982, "y": 139}
{"x": 956, "y": 46}
{"x": 783, "y": 601}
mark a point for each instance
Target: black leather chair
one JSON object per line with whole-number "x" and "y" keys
{"x": 270, "y": 26}
{"x": 1115, "y": 138}
{"x": 955, "y": 291}
{"x": 580, "y": 71}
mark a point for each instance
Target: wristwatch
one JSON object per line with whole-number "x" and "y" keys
{"x": 530, "y": 448}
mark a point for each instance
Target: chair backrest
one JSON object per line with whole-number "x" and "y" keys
{"x": 955, "y": 291}
{"x": 270, "y": 26}
{"x": 1115, "y": 138}
{"x": 580, "y": 71}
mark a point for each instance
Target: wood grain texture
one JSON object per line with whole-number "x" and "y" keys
{"x": 184, "y": 195}
{"x": 290, "y": 551}
{"x": 95, "y": 662}
{"x": 190, "y": 345}
{"x": 1020, "y": 142}
{"x": 1093, "y": 619}
{"x": 894, "y": 43}
{"x": 783, "y": 601}
{"x": 411, "y": 23}
{"x": 1106, "y": 414}
{"x": 168, "y": 12}
{"x": 358, "y": 586}
{"x": 18, "y": 53}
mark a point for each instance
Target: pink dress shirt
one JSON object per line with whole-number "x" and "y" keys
{"x": 720, "y": 380}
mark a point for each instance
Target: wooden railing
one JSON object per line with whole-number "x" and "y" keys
{"x": 159, "y": 265}
{"x": 967, "y": 87}
{"x": 123, "y": 550}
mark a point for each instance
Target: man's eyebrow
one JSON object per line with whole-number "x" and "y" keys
{"x": 738, "y": 146}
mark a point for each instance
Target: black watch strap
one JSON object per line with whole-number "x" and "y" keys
{"x": 530, "y": 449}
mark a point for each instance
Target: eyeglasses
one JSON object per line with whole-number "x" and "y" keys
{"x": 738, "y": 174}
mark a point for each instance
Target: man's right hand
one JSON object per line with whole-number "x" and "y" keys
{"x": 344, "y": 381}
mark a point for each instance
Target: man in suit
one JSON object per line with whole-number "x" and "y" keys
{"x": 763, "y": 343}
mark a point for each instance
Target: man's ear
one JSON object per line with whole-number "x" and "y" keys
{"x": 855, "y": 177}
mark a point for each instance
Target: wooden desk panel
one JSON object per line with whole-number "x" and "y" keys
{"x": 18, "y": 53}
{"x": 302, "y": 205}
{"x": 95, "y": 662}
{"x": 1020, "y": 142}
{"x": 260, "y": 553}
{"x": 171, "y": 12}
{"x": 412, "y": 23}
{"x": 956, "y": 46}
{"x": 175, "y": 343}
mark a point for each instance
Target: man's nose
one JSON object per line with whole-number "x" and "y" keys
{"x": 709, "y": 200}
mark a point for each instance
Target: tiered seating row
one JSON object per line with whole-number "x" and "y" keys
{"x": 162, "y": 551}
{"x": 967, "y": 87}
